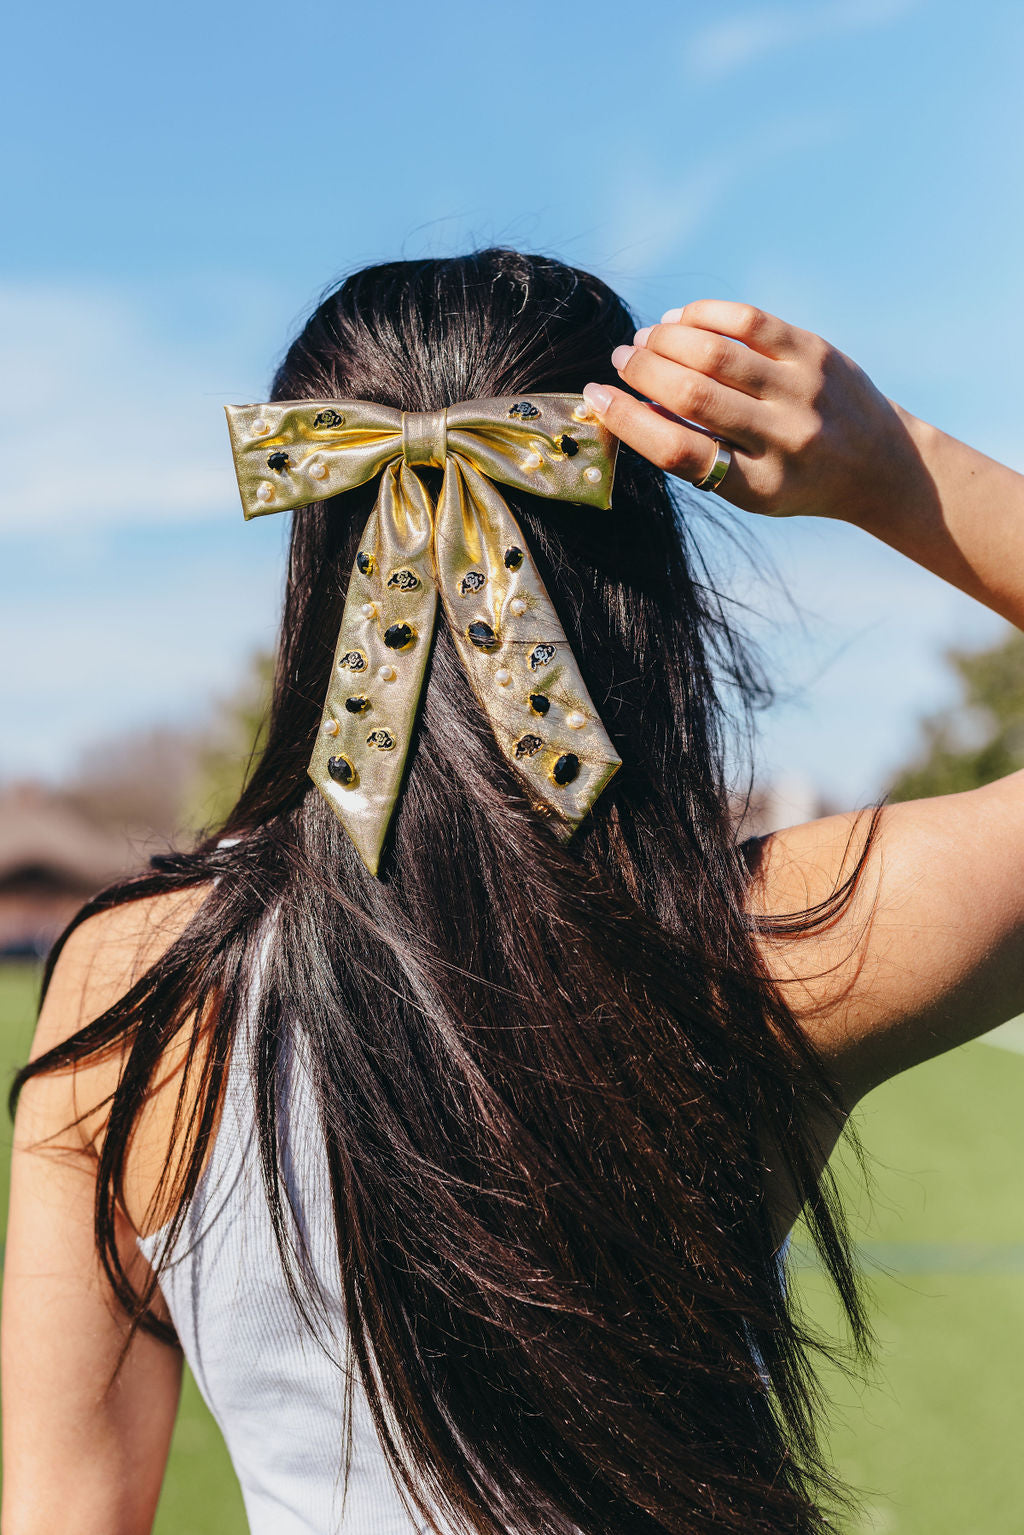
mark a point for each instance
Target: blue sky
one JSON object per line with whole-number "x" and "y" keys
{"x": 183, "y": 181}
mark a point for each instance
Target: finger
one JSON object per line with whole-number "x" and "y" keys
{"x": 764, "y": 333}
{"x": 670, "y": 445}
{"x": 716, "y": 356}
{"x": 687, "y": 393}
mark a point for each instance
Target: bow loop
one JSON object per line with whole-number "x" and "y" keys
{"x": 471, "y": 551}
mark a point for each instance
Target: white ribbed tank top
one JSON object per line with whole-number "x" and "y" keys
{"x": 276, "y": 1393}
{"x": 278, "y": 1396}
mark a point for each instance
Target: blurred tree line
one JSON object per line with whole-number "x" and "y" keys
{"x": 227, "y": 752}
{"x": 169, "y": 785}
{"x": 981, "y": 737}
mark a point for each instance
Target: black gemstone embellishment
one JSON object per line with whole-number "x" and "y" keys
{"x": 524, "y": 410}
{"x": 341, "y": 769}
{"x": 566, "y": 768}
{"x": 567, "y": 445}
{"x": 397, "y": 636}
{"x": 354, "y": 660}
{"x": 513, "y": 558}
{"x": 278, "y": 462}
{"x": 539, "y": 703}
{"x": 405, "y": 580}
{"x": 482, "y": 635}
{"x": 357, "y": 705}
{"x": 364, "y": 563}
{"x": 540, "y": 655}
{"x": 328, "y": 418}
{"x": 529, "y": 746}
{"x": 472, "y": 583}
{"x": 382, "y": 739}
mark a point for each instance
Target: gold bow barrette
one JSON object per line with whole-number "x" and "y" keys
{"x": 471, "y": 551}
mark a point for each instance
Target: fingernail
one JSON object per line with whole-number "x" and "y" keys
{"x": 621, "y": 356}
{"x": 640, "y": 339}
{"x": 597, "y": 397}
{"x": 671, "y": 316}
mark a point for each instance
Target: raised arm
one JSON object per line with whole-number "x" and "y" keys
{"x": 812, "y": 436}
{"x": 927, "y": 954}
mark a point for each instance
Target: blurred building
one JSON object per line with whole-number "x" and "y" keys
{"x": 52, "y": 858}
{"x": 58, "y": 848}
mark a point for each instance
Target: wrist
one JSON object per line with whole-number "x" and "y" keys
{"x": 900, "y": 486}
{"x": 925, "y": 440}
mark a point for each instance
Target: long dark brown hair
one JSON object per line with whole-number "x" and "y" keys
{"x": 548, "y": 1075}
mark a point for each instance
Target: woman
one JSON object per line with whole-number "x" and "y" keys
{"x": 462, "y": 1186}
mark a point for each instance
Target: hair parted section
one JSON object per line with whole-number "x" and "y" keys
{"x": 551, "y": 1078}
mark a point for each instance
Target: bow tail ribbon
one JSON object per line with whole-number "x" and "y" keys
{"x": 507, "y": 634}
{"x": 529, "y": 684}
{"x": 377, "y": 672}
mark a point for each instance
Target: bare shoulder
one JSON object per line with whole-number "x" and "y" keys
{"x": 65, "y": 1111}
{"x": 925, "y": 953}
{"x": 104, "y": 957}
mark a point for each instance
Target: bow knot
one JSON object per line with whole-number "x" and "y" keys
{"x": 470, "y": 553}
{"x": 425, "y": 437}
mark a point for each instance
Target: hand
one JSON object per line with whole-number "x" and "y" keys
{"x": 809, "y": 432}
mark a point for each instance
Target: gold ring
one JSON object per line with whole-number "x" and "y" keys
{"x": 719, "y": 469}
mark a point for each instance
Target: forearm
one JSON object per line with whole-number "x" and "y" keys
{"x": 956, "y": 512}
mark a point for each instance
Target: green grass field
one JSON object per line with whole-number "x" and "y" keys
{"x": 933, "y": 1439}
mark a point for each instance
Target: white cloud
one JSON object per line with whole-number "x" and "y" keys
{"x": 127, "y": 597}
{"x": 113, "y": 407}
{"x": 665, "y": 211}
{"x": 115, "y": 646}
{"x": 727, "y": 46}
{"x": 662, "y": 213}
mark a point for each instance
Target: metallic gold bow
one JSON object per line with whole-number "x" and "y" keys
{"x": 470, "y": 549}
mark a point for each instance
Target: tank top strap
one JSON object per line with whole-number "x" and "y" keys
{"x": 232, "y": 1163}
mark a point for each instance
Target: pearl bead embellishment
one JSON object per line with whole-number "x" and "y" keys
{"x": 581, "y": 412}
{"x": 502, "y": 677}
{"x": 517, "y": 606}
{"x": 532, "y": 461}
{"x": 387, "y": 673}
{"x": 369, "y": 610}
{"x": 265, "y": 492}
{"x": 260, "y": 428}
{"x": 575, "y": 720}
{"x": 318, "y": 470}
{"x": 593, "y": 474}
{"x": 330, "y": 727}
